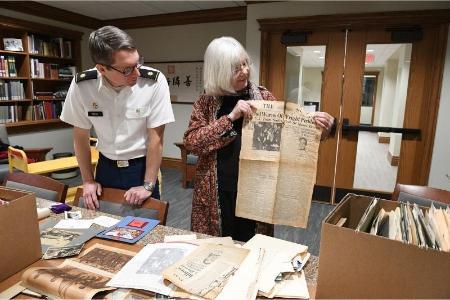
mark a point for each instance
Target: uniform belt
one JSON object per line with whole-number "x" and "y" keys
{"x": 122, "y": 163}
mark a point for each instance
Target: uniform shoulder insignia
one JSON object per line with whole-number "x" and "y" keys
{"x": 86, "y": 75}
{"x": 150, "y": 74}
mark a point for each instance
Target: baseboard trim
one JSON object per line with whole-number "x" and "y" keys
{"x": 384, "y": 139}
{"x": 170, "y": 162}
{"x": 393, "y": 160}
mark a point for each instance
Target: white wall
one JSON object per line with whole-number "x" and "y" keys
{"x": 182, "y": 43}
{"x": 440, "y": 164}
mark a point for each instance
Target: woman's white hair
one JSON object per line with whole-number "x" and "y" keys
{"x": 222, "y": 56}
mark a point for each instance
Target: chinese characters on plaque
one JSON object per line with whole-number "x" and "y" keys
{"x": 185, "y": 79}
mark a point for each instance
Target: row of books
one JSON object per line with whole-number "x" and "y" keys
{"x": 50, "y": 70}
{"x": 57, "y": 47}
{"x": 8, "y": 66}
{"x": 12, "y": 90}
{"x": 42, "y": 111}
{"x": 409, "y": 224}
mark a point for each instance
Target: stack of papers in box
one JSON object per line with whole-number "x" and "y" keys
{"x": 281, "y": 272}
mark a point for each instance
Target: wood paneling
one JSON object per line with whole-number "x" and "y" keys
{"x": 181, "y": 18}
{"x": 52, "y": 13}
{"x": 366, "y": 20}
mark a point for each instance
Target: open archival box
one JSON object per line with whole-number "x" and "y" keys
{"x": 278, "y": 164}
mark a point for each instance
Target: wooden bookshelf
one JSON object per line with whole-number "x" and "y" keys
{"x": 46, "y": 53}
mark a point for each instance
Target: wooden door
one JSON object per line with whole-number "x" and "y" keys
{"x": 346, "y": 40}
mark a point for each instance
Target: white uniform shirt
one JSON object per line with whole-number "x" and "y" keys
{"x": 122, "y": 128}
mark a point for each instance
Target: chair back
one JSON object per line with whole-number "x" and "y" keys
{"x": 421, "y": 195}
{"x": 44, "y": 187}
{"x": 112, "y": 201}
{"x": 17, "y": 159}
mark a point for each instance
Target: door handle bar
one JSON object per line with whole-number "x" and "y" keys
{"x": 347, "y": 129}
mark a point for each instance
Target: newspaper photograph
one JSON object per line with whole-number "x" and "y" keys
{"x": 278, "y": 164}
{"x": 206, "y": 270}
{"x": 144, "y": 271}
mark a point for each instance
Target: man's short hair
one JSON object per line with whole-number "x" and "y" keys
{"x": 106, "y": 40}
{"x": 222, "y": 56}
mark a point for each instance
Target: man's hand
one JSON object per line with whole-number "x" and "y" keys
{"x": 91, "y": 190}
{"x": 242, "y": 108}
{"x": 325, "y": 121}
{"x": 137, "y": 195}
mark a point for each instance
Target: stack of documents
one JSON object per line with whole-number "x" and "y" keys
{"x": 280, "y": 273}
{"x": 409, "y": 224}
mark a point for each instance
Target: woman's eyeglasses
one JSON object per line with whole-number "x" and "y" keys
{"x": 129, "y": 70}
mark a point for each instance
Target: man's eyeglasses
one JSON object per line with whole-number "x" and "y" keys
{"x": 129, "y": 70}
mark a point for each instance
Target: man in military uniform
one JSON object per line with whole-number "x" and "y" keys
{"x": 128, "y": 105}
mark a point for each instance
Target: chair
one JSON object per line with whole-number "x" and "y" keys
{"x": 421, "y": 195}
{"x": 188, "y": 165}
{"x": 112, "y": 201}
{"x": 18, "y": 160}
{"x": 44, "y": 187}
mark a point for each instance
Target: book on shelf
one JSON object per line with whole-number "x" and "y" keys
{"x": 12, "y": 90}
{"x": 56, "y": 47}
{"x": 8, "y": 66}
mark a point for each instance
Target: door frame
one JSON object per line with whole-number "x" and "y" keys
{"x": 273, "y": 52}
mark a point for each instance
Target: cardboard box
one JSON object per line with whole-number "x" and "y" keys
{"x": 359, "y": 265}
{"x": 20, "y": 243}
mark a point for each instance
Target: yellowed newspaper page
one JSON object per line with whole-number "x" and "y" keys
{"x": 205, "y": 271}
{"x": 300, "y": 140}
{"x": 258, "y": 165}
{"x": 65, "y": 281}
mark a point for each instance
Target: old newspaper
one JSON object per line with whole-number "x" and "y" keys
{"x": 205, "y": 271}
{"x": 278, "y": 164}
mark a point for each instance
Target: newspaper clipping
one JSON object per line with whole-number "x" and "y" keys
{"x": 278, "y": 164}
{"x": 206, "y": 270}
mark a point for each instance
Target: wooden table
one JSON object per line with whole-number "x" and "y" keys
{"x": 155, "y": 236}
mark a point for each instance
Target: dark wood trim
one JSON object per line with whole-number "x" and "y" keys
{"x": 365, "y": 20}
{"x": 182, "y": 18}
{"x": 50, "y": 12}
{"x": 384, "y": 139}
{"x": 33, "y": 126}
{"x": 393, "y": 160}
{"x": 170, "y": 162}
{"x": 23, "y": 25}
{"x": 374, "y": 100}
{"x": 431, "y": 111}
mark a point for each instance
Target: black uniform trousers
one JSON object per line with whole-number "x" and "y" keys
{"x": 108, "y": 174}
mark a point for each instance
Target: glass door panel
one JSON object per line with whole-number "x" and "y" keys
{"x": 385, "y": 86}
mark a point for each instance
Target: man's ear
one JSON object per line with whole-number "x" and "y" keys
{"x": 101, "y": 68}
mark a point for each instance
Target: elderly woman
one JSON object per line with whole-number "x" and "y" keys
{"x": 214, "y": 134}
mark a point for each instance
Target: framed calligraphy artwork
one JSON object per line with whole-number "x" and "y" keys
{"x": 185, "y": 79}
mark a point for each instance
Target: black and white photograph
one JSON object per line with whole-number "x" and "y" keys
{"x": 76, "y": 215}
{"x": 302, "y": 142}
{"x": 12, "y": 44}
{"x": 266, "y": 136}
{"x": 58, "y": 237}
{"x": 56, "y": 252}
{"x": 161, "y": 259}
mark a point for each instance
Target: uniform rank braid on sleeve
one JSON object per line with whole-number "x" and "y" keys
{"x": 150, "y": 74}
{"x": 86, "y": 75}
